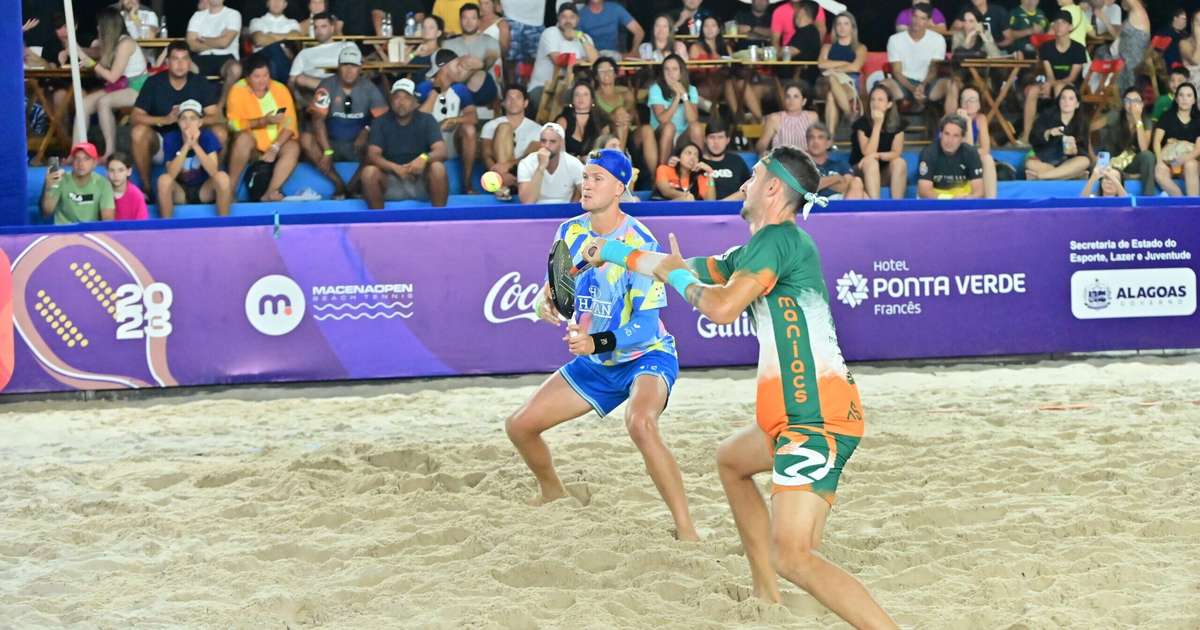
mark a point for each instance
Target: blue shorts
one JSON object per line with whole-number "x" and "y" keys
{"x": 605, "y": 387}
{"x": 524, "y": 41}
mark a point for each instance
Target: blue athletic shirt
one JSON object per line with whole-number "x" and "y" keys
{"x": 616, "y": 300}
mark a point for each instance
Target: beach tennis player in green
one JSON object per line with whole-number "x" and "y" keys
{"x": 809, "y": 416}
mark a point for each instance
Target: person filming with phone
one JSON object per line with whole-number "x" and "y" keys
{"x": 80, "y": 196}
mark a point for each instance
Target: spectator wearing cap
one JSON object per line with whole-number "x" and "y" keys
{"x": 405, "y": 153}
{"x": 1062, "y": 64}
{"x": 551, "y": 175}
{"x": 83, "y": 195}
{"x": 262, "y": 114}
{"x": 269, "y": 32}
{"x": 313, "y": 64}
{"x": 453, "y": 106}
{"x": 156, "y": 110}
{"x": 341, "y": 113}
{"x": 562, "y": 38}
{"x": 193, "y": 169}
{"x": 212, "y": 34}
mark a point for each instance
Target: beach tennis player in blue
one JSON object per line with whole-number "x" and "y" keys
{"x": 622, "y": 349}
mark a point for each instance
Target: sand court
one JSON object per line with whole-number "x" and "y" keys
{"x": 1048, "y": 495}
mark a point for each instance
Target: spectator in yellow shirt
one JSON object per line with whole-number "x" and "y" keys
{"x": 448, "y": 10}
{"x": 262, "y": 114}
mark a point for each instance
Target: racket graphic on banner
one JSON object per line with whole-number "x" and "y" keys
{"x": 91, "y": 314}
{"x": 562, "y": 273}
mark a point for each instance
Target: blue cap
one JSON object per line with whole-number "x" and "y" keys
{"x": 615, "y": 162}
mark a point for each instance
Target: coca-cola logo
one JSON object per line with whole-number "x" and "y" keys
{"x": 509, "y": 300}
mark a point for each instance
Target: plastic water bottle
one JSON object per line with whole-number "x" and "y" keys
{"x": 162, "y": 30}
{"x": 694, "y": 26}
{"x": 646, "y": 51}
{"x": 387, "y": 25}
{"x": 410, "y": 26}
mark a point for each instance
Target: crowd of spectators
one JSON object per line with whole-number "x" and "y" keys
{"x": 231, "y": 102}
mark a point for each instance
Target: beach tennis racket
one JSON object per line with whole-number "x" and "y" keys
{"x": 562, "y": 273}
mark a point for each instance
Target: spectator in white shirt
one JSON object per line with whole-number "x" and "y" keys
{"x": 556, "y": 40}
{"x": 915, "y": 55}
{"x": 268, "y": 32}
{"x": 551, "y": 175}
{"x": 140, "y": 23}
{"x": 212, "y": 35}
{"x": 317, "y": 62}
{"x": 509, "y": 138}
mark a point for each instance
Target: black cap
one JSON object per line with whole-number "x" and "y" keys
{"x": 440, "y": 58}
{"x": 1064, "y": 16}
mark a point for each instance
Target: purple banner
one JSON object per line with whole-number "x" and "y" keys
{"x": 154, "y": 308}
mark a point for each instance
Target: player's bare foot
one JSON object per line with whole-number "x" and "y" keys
{"x": 687, "y": 534}
{"x": 766, "y": 593}
{"x": 547, "y": 495}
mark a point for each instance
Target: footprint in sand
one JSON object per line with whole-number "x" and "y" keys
{"x": 160, "y": 482}
{"x": 406, "y": 460}
{"x": 217, "y": 480}
{"x": 325, "y": 463}
{"x": 581, "y": 491}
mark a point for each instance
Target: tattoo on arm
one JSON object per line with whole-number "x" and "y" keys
{"x": 694, "y": 292}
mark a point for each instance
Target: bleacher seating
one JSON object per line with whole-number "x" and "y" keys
{"x": 306, "y": 176}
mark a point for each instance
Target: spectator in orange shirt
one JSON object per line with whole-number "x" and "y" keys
{"x": 262, "y": 114}
{"x": 684, "y": 177}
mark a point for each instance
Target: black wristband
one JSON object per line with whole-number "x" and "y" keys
{"x": 604, "y": 342}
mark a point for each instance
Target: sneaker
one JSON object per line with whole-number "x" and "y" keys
{"x": 308, "y": 194}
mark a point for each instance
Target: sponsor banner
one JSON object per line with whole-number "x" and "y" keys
{"x": 165, "y": 307}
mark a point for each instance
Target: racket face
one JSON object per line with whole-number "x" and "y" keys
{"x": 83, "y": 304}
{"x": 562, "y": 280}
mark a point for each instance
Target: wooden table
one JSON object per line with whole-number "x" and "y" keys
{"x": 159, "y": 42}
{"x": 727, "y": 36}
{"x": 992, "y": 103}
{"x": 35, "y": 82}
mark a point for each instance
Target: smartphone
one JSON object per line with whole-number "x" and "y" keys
{"x": 1102, "y": 159}
{"x": 54, "y": 164}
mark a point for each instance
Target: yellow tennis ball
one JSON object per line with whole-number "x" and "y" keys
{"x": 491, "y": 181}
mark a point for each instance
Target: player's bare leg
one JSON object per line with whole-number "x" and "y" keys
{"x": 739, "y": 458}
{"x": 646, "y": 402}
{"x": 553, "y": 403}
{"x": 796, "y": 527}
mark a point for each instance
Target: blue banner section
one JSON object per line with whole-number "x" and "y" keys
{"x": 388, "y": 298}
{"x": 12, "y": 117}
